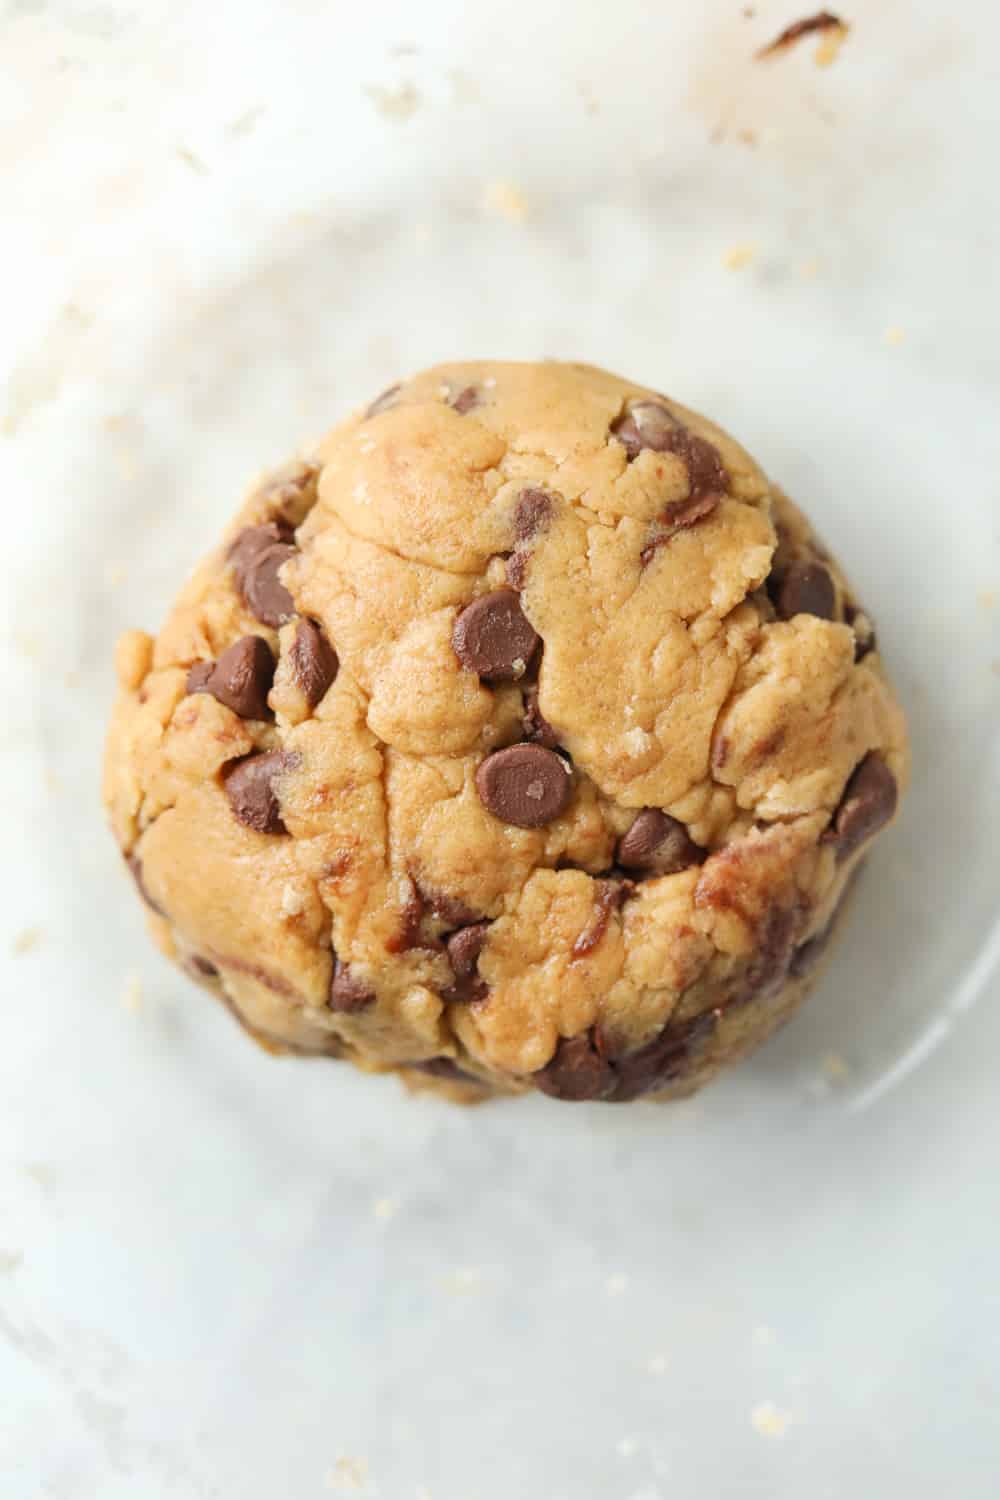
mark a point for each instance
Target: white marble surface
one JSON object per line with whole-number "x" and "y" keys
{"x": 219, "y": 1272}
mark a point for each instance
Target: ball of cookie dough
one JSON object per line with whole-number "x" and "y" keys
{"x": 523, "y": 736}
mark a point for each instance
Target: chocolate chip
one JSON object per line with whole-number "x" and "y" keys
{"x": 658, "y": 845}
{"x": 536, "y": 727}
{"x": 464, "y": 948}
{"x": 451, "y": 910}
{"x": 253, "y": 541}
{"x": 135, "y": 870}
{"x": 491, "y": 636}
{"x": 383, "y": 402}
{"x": 680, "y": 514}
{"x": 669, "y": 1056}
{"x": 805, "y": 588}
{"x": 348, "y": 993}
{"x": 263, "y": 591}
{"x": 198, "y": 675}
{"x": 706, "y": 472}
{"x": 241, "y": 678}
{"x": 525, "y": 785}
{"x": 250, "y": 789}
{"x": 531, "y": 514}
{"x": 585, "y": 1067}
{"x": 768, "y": 967}
{"x": 609, "y": 896}
{"x": 868, "y": 803}
{"x": 650, "y": 424}
{"x": 579, "y": 1070}
{"x": 646, "y": 424}
{"x": 466, "y": 400}
{"x": 314, "y": 662}
{"x": 202, "y": 966}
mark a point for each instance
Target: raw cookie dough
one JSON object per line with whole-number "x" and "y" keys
{"x": 524, "y": 736}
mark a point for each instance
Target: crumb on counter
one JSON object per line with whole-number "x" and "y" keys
{"x": 505, "y": 201}
{"x": 739, "y": 256}
{"x": 894, "y": 335}
{"x": 769, "y": 1420}
{"x": 394, "y": 103}
{"x": 824, "y": 23}
{"x": 132, "y": 992}
{"x": 26, "y": 941}
{"x": 348, "y": 1473}
{"x": 835, "y": 1068}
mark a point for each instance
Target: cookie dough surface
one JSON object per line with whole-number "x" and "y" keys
{"x": 523, "y": 736}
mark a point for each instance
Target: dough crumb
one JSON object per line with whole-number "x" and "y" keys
{"x": 763, "y": 1336}
{"x": 769, "y": 1420}
{"x": 657, "y": 1364}
{"x": 810, "y": 268}
{"x": 894, "y": 335}
{"x": 505, "y": 201}
{"x": 385, "y": 1208}
{"x": 627, "y": 1446}
{"x": 829, "y": 48}
{"x": 616, "y": 1285}
{"x": 132, "y": 992}
{"x": 591, "y": 103}
{"x": 835, "y": 1068}
{"x": 26, "y": 941}
{"x": 192, "y": 160}
{"x": 9, "y": 1261}
{"x": 987, "y": 598}
{"x": 464, "y": 88}
{"x": 397, "y": 103}
{"x": 348, "y": 1473}
{"x": 463, "y": 1280}
{"x": 739, "y": 256}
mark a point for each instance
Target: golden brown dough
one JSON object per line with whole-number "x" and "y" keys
{"x": 524, "y": 736}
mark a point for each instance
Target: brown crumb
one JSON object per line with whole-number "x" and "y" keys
{"x": 746, "y": 136}
{"x": 987, "y": 598}
{"x": 822, "y": 21}
{"x": 995, "y": 666}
